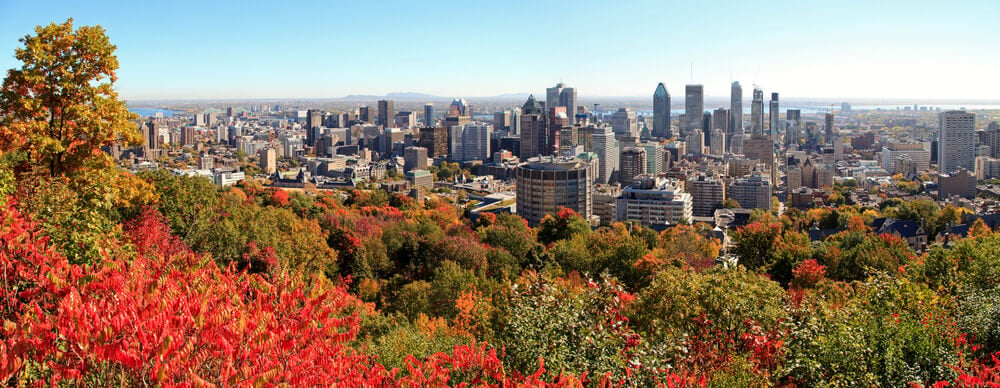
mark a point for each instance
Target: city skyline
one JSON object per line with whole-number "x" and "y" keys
{"x": 233, "y": 50}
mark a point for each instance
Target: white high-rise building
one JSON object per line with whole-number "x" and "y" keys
{"x": 625, "y": 123}
{"x": 603, "y": 144}
{"x": 752, "y": 192}
{"x": 956, "y": 141}
{"x": 654, "y": 201}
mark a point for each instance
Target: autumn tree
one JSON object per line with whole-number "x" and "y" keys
{"x": 60, "y": 107}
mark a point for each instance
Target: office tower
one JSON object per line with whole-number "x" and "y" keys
{"x": 567, "y": 98}
{"x": 661, "y": 112}
{"x": 760, "y": 148}
{"x": 707, "y": 125}
{"x": 405, "y": 120}
{"x": 695, "y": 142}
{"x": 544, "y": 184}
{"x": 435, "y": 140}
{"x": 515, "y": 121}
{"x": 428, "y": 115}
{"x": 757, "y": 113}
{"x": 633, "y": 163}
{"x": 735, "y": 110}
{"x": 654, "y": 157}
{"x": 991, "y": 138}
{"x": 552, "y": 95}
{"x": 717, "y": 143}
{"x": 221, "y": 134}
{"x": 476, "y": 142}
{"x": 569, "y": 138}
{"x": 828, "y": 129}
{"x": 459, "y": 107}
{"x": 720, "y": 120}
{"x": 707, "y": 194}
{"x": 314, "y": 119}
{"x": 917, "y": 153}
{"x": 229, "y": 112}
{"x": 414, "y": 158}
{"x": 534, "y": 136}
{"x": 268, "y": 160}
{"x": 694, "y": 107}
{"x": 603, "y": 144}
{"x": 793, "y": 119}
{"x": 624, "y": 123}
{"x": 386, "y": 113}
{"x": 364, "y": 114}
{"x": 652, "y": 201}
{"x": 773, "y": 117}
{"x": 501, "y": 121}
{"x": 956, "y": 141}
{"x": 557, "y": 121}
{"x": 752, "y": 192}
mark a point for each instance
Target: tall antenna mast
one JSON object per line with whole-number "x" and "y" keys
{"x": 692, "y": 71}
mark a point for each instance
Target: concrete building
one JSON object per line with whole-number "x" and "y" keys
{"x": 718, "y": 142}
{"x": 633, "y": 163}
{"x": 987, "y": 168}
{"x": 420, "y": 178}
{"x": 534, "y": 136}
{"x": 544, "y": 184}
{"x": 603, "y": 144}
{"x": 188, "y": 136}
{"x": 757, "y": 113}
{"x": 917, "y": 152}
{"x": 751, "y": 192}
{"x": 735, "y": 111}
{"x": 695, "y": 141}
{"x": 694, "y": 108}
{"x": 707, "y": 193}
{"x": 435, "y": 140}
{"x": 625, "y": 123}
{"x": 654, "y": 157}
{"x": 604, "y": 202}
{"x": 429, "y": 115}
{"x": 960, "y": 183}
{"x": 414, "y": 158}
{"x": 956, "y": 141}
{"x": 652, "y": 200}
{"x": 774, "y": 118}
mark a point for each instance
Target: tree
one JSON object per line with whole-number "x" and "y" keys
{"x": 562, "y": 225}
{"x": 60, "y": 107}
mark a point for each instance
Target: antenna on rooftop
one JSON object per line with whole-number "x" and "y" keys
{"x": 692, "y": 71}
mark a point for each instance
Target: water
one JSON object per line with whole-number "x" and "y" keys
{"x": 149, "y": 112}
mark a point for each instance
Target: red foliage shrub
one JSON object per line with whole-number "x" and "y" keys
{"x": 808, "y": 274}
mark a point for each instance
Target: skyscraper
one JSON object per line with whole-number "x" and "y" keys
{"x": 567, "y": 98}
{"x": 428, "y": 115}
{"x": 757, "y": 113}
{"x": 735, "y": 110}
{"x": 624, "y": 123}
{"x": 793, "y": 118}
{"x": 314, "y": 119}
{"x": 603, "y": 144}
{"x": 773, "y": 117}
{"x": 386, "y": 112}
{"x": 534, "y": 136}
{"x": 956, "y": 141}
{"x": 661, "y": 112}
{"x": 694, "y": 107}
{"x": 828, "y": 134}
{"x": 552, "y": 95}
{"x": 547, "y": 183}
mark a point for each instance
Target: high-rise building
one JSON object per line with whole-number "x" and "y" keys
{"x": 153, "y": 134}
{"x": 751, "y": 192}
{"x": 707, "y": 193}
{"x": 515, "y": 121}
{"x": 314, "y": 119}
{"x": 956, "y": 141}
{"x": 917, "y": 153}
{"x": 774, "y": 117}
{"x": 534, "y": 134}
{"x": 829, "y": 133}
{"x": 435, "y": 140}
{"x": 696, "y": 142}
{"x": 229, "y": 112}
{"x": 735, "y": 110}
{"x": 567, "y": 98}
{"x": 268, "y": 160}
{"x": 188, "y": 136}
{"x": 694, "y": 107}
{"x": 720, "y": 120}
{"x": 707, "y": 131}
{"x": 459, "y": 107}
{"x": 661, "y": 112}
{"x": 501, "y": 121}
{"x": 624, "y": 123}
{"x": 793, "y": 120}
{"x": 716, "y": 145}
{"x": 654, "y": 157}
{"x": 552, "y": 95}
{"x": 365, "y": 114}
{"x": 206, "y": 162}
{"x": 428, "y": 115}
{"x": 475, "y": 142}
{"x": 603, "y": 144}
{"x": 653, "y": 200}
{"x": 544, "y": 184}
{"x": 414, "y": 158}
{"x": 757, "y": 113}
{"x": 633, "y": 163}
{"x": 386, "y": 113}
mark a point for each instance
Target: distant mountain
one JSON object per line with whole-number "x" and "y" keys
{"x": 412, "y": 96}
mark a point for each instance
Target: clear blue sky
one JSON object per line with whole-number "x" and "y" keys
{"x": 804, "y": 48}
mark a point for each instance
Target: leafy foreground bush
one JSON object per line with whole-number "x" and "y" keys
{"x": 157, "y": 313}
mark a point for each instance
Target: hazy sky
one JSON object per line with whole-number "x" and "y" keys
{"x": 801, "y": 48}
